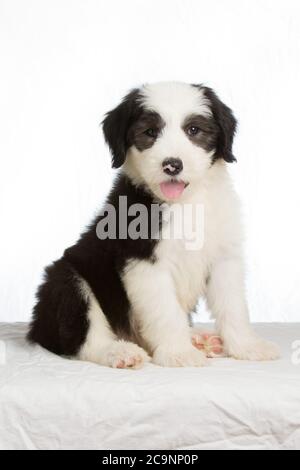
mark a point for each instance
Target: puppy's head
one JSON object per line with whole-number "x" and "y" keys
{"x": 168, "y": 135}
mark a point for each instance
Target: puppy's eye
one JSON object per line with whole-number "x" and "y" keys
{"x": 151, "y": 132}
{"x": 193, "y": 130}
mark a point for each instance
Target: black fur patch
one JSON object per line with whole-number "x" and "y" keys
{"x": 117, "y": 124}
{"x": 60, "y": 321}
{"x": 138, "y": 135}
{"x": 226, "y": 124}
{"x": 208, "y": 134}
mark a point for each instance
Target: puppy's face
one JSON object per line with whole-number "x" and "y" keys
{"x": 168, "y": 135}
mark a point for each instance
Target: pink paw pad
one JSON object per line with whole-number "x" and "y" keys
{"x": 210, "y": 343}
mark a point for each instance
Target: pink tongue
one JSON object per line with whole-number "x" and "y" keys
{"x": 172, "y": 189}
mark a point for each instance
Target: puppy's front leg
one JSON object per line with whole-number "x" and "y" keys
{"x": 226, "y": 300}
{"x": 161, "y": 322}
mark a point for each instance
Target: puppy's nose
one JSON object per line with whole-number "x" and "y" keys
{"x": 172, "y": 166}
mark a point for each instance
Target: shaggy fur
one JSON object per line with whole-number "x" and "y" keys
{"x": 117, "y": 301}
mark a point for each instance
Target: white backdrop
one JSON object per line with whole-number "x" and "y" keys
{"x": 64, "y": 63}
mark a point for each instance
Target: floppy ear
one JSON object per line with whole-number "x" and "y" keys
{"x": 226, "y": 123}
{"x": 116, "y": 125}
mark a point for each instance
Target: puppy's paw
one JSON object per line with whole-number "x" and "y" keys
{"x": 189, "y": 357}
{"x": 253, "y": 349}
{"x": 126, "y": 355}
{"x": 208, "y": 342}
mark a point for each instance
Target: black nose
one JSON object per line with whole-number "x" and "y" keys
{"x": 172, "y": 166}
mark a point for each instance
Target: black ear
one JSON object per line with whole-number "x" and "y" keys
{"x": 116, "y": 125}
{"x": 226, "y": 122}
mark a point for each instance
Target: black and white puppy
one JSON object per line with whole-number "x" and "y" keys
{"x": 118, "y": 300}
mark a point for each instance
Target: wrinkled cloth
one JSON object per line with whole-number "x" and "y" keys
{"x": 48, "y": 402}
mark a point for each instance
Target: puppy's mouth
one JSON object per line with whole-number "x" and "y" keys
{"x": 172, "y": 189}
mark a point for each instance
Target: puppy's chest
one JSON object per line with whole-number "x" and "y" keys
{"x": 187, "y": 258}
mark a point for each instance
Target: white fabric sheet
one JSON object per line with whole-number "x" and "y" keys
{"x": 47, "y": 402}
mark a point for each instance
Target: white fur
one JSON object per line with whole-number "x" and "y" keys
{"x": 174, "y": 100}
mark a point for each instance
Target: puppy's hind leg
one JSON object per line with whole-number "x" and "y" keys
{"x": 102, "y": 346}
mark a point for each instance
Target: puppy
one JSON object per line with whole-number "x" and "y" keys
{"x": 123, "y": 292}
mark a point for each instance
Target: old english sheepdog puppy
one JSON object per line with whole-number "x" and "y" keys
{"x": 123, "y": 293}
